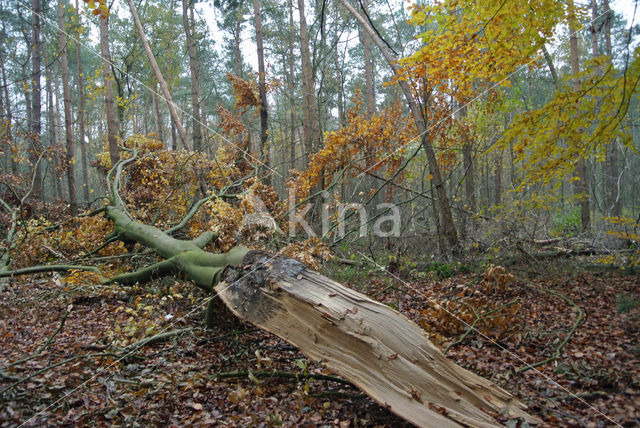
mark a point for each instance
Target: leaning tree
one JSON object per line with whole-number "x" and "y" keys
{"x": 373, "y": 346}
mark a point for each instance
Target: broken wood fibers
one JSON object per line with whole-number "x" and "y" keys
{"x": 375, "y": 347}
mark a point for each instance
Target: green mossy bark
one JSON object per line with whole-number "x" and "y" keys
{"x": 187, "y": 257}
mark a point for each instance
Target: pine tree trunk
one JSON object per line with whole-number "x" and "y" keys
{"x": 81, "y": 126}
{"x": 310, "y": 108}
{"x": 35, "y": 124}
{"x": 7, "y": 112}
{"x": 612, "y": 179}
{"x": 109, "y": 98}
{"x": 51, "y": 130}
{"x": 66, "y": 100}
{"x": 195, "y": 76}
{"x": 262, "y": 90}
{"x": 291, "y": 90}
{"x": 581, "y": 189}
{"x": 156, "y": 113}
{"x": 158, "y": 74}
{"x": 369, "y": 78}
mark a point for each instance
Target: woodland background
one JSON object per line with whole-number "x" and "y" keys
{"x": 506, "y": 133}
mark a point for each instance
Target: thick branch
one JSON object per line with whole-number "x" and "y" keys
{"x": 162, "y": 268}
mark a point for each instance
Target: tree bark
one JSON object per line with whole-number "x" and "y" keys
{"x": 156, "y": 113}
{"x": 613, "y": 196}
{"x": 66, "y": 101}
{"x": 237, "y": 59}
{"x": 59, "y": 127}
{"x": 581, "y": 189}
{"x": 51, "y": 129}
{"x": 369, "y": 78}
{"x": 444, "y": 206}
{"x": 7, "y": 111}
{"x": 35, "y": 124}
{"x": 340, "y": 79}
{"x": 81, "y": 126}
{"x": 158, "y": 74}
{"x": 291, "y": 90}
{"x": 592, "y": 29}
{"x": 310, "y": 108}
{"x": 195, "y": 76}
{"x": 262, "y": 90}
{"x": 109, "y": 99}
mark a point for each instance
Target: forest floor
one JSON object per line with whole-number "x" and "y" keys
{"x": 227, "y": 376}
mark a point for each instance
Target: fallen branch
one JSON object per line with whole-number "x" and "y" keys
{"x": 58, "y": 364}
{"x": 49, "y": 268}
{"x": 476, "y": 321}
{"x": 281, "y": 375}
{"x": 45, "y": 344}
{"x": 574, "y": 327}
{"x": 160, "y": 337}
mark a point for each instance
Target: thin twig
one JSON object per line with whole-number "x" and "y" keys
{"x": 574, "y": 327}
{"x": 45, "y": 344}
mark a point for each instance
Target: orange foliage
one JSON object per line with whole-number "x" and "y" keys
{"x": 311, "y": 252}
{"x": 361, "y": 145}
{"x": 246, "y": 92}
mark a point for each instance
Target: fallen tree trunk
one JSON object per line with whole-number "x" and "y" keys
{"x": 373, "y": 346}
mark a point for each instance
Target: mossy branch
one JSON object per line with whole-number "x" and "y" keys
{"x": 159, "y": 269}
{"x": 50, "y": 268}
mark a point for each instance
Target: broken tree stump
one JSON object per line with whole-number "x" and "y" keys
{"x": 375, "y": 347}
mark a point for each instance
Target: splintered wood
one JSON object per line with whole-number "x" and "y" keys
{"x": 375, "y": 347}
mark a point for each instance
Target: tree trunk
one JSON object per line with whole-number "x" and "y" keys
{"x": 310, "y": 108}
{"x": 373, "y": 346}
{"x": 444, "y": 206}
{"x": 81, "y": 127}
{"x": 110, "y": 106}
{"x": 262, "y": 90}
{"x": 174, "y": 137}
{"x": 51, "y": 129}
{"x": 237, "y": 60}
{"x": 581, "y": 190}
{"x": 156, "y": 113}
{"x": 66, "y": 101}
{"x": 592, "y": 29}
{"x": 35, "y": 124}
{"x": 291, "y": 90}
{"x": 59, "y": 127}
{"x": 7, "y": 111}
{"x": 612, "y": 175}
{"x": 338, "y": 68}
{"x": 158, "y": 74}
{"x": 497, "y": 180}
{"x": 195, "y": 76}
{"x": 369, "y": 78}
{"x": 469, "y": 168}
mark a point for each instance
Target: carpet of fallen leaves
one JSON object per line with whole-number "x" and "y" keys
{"x": 219, "y": 377}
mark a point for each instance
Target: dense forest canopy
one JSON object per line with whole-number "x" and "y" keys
{"x": 141, "y": 141}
